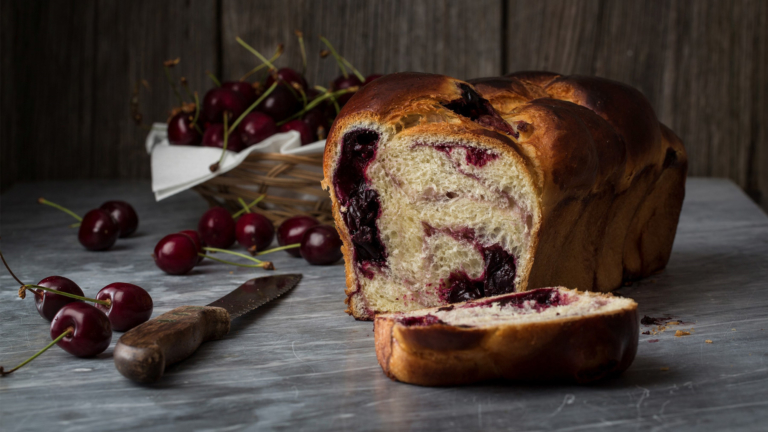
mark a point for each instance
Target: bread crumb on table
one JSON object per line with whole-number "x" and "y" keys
{"x": 680, "y": 333}
{"x": 664, "y": 369}
{"x": 708, "y": 341}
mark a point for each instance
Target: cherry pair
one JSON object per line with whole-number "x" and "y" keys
{"x": 320, "y": 244}
{"x": 100, "y": 228}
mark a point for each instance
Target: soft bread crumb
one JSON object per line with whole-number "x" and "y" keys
{"x": 680, "y": 333}
{"x": 709, "y": 341}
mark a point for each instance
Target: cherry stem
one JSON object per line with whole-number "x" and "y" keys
{"x": 290, "y": 246}
{"x": 9, "y": 269}
{"x": 253, "y": 203}
{"x": 173, "y": 85}
{"x": 316, "y": 101}
{"x": 216, "y": 165}
{"x": 226, "y": 251}
{"x": 354, "y": 71}
{"x": 256, "y": 53}
{"x": 300, "y": 35}
{"x": 245, "y": 206}
{"x": 53, "y": 342}
{"x": 336, "y": 56}
{"x": 197, "y": 114}
{"x": 62, "y": 293}
{"x": 252, "y": 107}
{"x": 64, "y": 209}
{"x": 272, "y": 59}
{"x": 213, "y": 78}
{"x": 262, "y": 264}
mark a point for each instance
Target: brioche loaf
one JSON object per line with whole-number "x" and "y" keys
{"x": 445, "y": 191}
{"x": 547, "y": 334}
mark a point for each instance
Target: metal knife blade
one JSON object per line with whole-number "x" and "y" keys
{"x": 255, "y": 293}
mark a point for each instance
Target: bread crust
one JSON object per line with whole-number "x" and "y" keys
{"x": 609, "y": 178}
{"x": 574, "y": 349}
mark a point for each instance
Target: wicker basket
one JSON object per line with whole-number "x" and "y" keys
{"x": 291, "y": 184}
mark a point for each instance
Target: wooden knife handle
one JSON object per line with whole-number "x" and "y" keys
{"x": 143, "y": 353}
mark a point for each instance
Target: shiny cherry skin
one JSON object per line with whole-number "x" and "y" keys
{"x": 130, "y": 305}
{"x": 98, "y": 230}
{"x": 254, "y": 229}
{"x": 289, "y": 76}
{"x": 321, "y": 245}
{"x": 318, "y": 122}
{"x": 292, "y": 230}
{"x": 372, "y": 77}
{"x": 255, "y": 128}
{"x": 214, "y": 137}
{"x": 281, "y": 103}
{"x": 195, "y": 236}
{"x": 176, "y": 254}
{"x": 342, "y": 83}
{"x": 181, "y": 132}
{"x": 124, "y": 214}
{"x": 299, "y": 126}
{"x": 49, "y": 304}
{"x": 244, "y": 89}
{"x": 220, "y": 99}
{"x": 217, "y": 228}
{"x": 92, "y": 331}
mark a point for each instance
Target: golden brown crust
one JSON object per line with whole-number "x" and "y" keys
{"x": 610, "y": 178}
{"x": 575, "y": 349}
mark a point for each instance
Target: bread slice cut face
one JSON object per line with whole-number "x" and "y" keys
{"x": 547, "y": 334}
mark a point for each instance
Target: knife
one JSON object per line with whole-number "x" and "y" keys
{"x": 143, "y": 353}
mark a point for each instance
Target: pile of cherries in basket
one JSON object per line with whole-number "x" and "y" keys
{"x": 80, "y": 328}
{"x": 300, "y": 236}
{"x": 100, "y": 228}
{"x": 237, "y": 114}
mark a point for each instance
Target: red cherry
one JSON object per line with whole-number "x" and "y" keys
{"x": 176, "y": 254}
{"x": 299, "y": 126}
{"x": 130, "y": 305}
{"x": 318, "y": 122}
{"x": 342, "y": 83}
{"x": 124, "y": 214}
{"x": 244, "y": 89}
{"x": 98, "y": 230}
{"x": 289, "y": 76}
{"x": 256, "y": 127}
{"x": 49, "y": 304}
{"x": 254, "y": 229}
{"x": 217, "y": 228}
{"x": 321, "y": 245}
{"x": 91, "y": 331}
{"x": 214, "y": 137}
{"x": 372, "y": 77}
{"x": 195, "y": 236}
{"x": 220, "y": 99}
{"x": 181, "y": 132}
{"x": 292, "y": 230}
{"x": 281, "y": 103}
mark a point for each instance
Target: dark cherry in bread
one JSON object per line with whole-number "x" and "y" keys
{"x": 445, "y": 190}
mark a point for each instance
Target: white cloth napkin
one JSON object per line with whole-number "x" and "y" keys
{"x": 176, "y": 168}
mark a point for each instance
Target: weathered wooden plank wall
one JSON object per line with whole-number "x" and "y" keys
{"x": 68, "y": 68}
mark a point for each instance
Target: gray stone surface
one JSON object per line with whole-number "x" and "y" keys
{"x": 301, "y": 363}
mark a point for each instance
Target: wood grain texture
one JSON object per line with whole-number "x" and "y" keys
{"x": 456, "y": 38}
{"x": 702, "y": 65}
{"x": 300, "y": 363}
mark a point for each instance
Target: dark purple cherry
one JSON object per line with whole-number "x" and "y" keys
{"x": 318, "y": 122}
{"x": 124, "y": 214}
{"x": 217, "y": 228}
{"x": 281, "y": 103}
{"x": 220, "y": 99}
{"x": 256, "y": 127}
{"x": 321, "y": 245}
{"x": 98, "y": 230}
{"x": 214, "y": 137}
{"x": 292, "y": 230}
{"x": 130, "y": 305}
{"x": 254, "y": 229}
{"x": 299, "y": 126}
{"x": 90, "y": 332}
{"x": 48, "y": 303}
{"x": 195, "y": 236}
{"x": 342, "y": 83}
{"x": 176, "y": 254}
{"x": 372, "y": 77}
{"x": 244, "y": 89}
{"x": 181, "y": 132}
{"x": 289, "y": 76}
